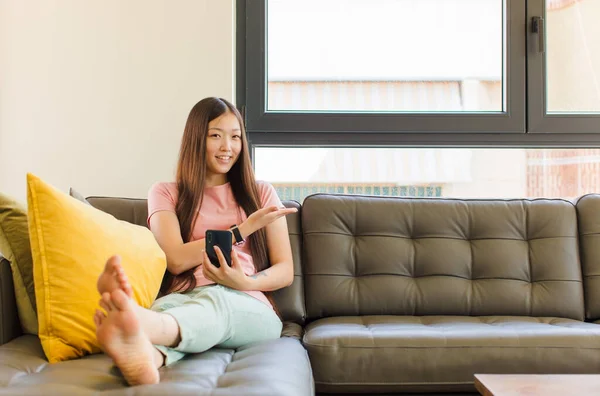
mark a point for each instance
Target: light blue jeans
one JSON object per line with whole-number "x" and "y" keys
{"x": 219, "y": 316}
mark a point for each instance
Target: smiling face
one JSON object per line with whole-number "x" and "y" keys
{"x": 223, "y": 147}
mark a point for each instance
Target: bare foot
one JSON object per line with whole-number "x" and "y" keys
{"x": 121, "y": 337}
{"x": 113, "y": 277}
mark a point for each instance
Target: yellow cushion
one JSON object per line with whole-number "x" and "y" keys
{"x": 70, "y": 243}
{"x": 14, "y": 246}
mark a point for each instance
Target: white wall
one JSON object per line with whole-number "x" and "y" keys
{"x": 94, "y": 94}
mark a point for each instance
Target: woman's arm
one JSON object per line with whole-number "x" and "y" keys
{"x": 180, "y": 256}
{"x": 183, "y": 256}
{"x": 281, "y": 272}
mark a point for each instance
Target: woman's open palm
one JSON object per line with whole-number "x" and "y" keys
{"x": 267, "y": 215}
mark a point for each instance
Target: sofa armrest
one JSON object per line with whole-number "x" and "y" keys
{"x": 9, "y": 319}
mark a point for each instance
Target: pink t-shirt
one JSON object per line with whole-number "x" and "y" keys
{"x": 219, "y": 211}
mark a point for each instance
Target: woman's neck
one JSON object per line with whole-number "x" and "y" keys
{"x": 215, "y": 180}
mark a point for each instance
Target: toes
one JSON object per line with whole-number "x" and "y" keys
{"x": 119, "y": 300}
{"x": 116, "y": 261}
{"x": 126, "y": 287}
{"x": 112, "y": 263}
{"x": 128, "y": 290}
{"x": 106, "y": 303}
{"x": 122, "y": 277}
{"x": 124, "y": 282}
{"x": 98, "y": 318}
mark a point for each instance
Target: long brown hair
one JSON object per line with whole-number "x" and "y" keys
{"x": 191, "y": 177}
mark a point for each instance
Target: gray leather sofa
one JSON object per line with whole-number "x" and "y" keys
{"x": 281, "y": 367}
{"x": 390, "y": 296}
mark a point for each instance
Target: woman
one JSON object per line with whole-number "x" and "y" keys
{"x": 202, "y": 305}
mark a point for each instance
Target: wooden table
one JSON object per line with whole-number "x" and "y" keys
{"x": 531, "y": 384}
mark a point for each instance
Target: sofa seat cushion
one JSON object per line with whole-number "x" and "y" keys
{"x": 431, "y": 353}
{"x": 278, "y": 367}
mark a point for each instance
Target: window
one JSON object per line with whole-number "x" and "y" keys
{"x": 437, "y": 98}
{"x": 420, "y": 73}
{"x": 385, "y": 66}
{"x": 353, "y": 57}
{"x": 299, "y": 191}
{"x": 564, "y": 67}
{"x": 444, "y": 172}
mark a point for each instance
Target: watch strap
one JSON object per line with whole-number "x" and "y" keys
{"x": 237, "y": 235}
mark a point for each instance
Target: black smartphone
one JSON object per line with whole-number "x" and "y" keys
{"x": 219, "y": 238}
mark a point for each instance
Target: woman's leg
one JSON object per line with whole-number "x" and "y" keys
{"x": 121, "y": 336}
{"x": 178, "y": 324}
{"x": 161, "y": 328}
{"x": 219, "y": 316}
{"x": 127, "y": 332}
{"x": 212, "y": 316}
{"x": 251, "y": 320}
{"x": 202, "y": 319}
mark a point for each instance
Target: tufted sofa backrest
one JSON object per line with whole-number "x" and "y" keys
{"x": 421, "y": 256}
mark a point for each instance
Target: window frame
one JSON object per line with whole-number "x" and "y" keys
{"x": 539, "y": 121}
{"x": 305, "y": 129}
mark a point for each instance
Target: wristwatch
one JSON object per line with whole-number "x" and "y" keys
{"x": 237, "y": 235}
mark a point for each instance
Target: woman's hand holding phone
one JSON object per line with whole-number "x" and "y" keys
{"x": 216, "y": 264}
{"x": 233, "y": 277}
